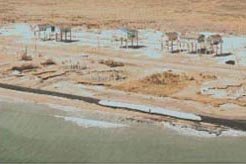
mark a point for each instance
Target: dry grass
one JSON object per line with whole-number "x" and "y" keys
{"x": 160, "y": 84}
{"x": 216, "y": 15}
{"x": 168, "y": 84}
{"x": 166, "y": 78}
{"x": 165, "y": 84}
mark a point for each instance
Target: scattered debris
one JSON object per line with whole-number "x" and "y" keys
{"x": 104, "y": 76}
{"x": 230, "y": 62}
{"x": 51, "y": 75}
{"x": 17, "y": 73}
{"x": 92, "y": 83}
{"x": 48, "y": 62}
{"x": 111, "y": 63}
{"x": 43, "y": 72}
{"x": 208, "y": 76}
{"x": 72, "y": 65}
{"x": 24, "y": 67}
{"x": 25, "y": 57}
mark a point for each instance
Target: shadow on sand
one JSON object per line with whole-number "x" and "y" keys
{"x": 223, "y": 54}
{"x": 68, "y": 41}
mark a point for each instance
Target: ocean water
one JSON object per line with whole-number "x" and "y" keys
{"x": 34, "y": 133}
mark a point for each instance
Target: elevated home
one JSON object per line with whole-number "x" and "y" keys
{"x": 172, "y": 37}
{"x": 129, "y": 35}
{"x": 216, "y": 43}
{"x": 45, "y": 31}
{"x": 192, "y": 42}
{"x": 65, "y": 33}
{"x": 53, "y": 32}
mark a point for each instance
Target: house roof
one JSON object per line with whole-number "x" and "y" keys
{"x": 131, "y": 33}
{"x": 128, "y": 30}
{"x": 172, "y": 36}
{"x": 64, "y": 27}
{"x": 193, "y": 36}
{"x": 43, "y": 27}
{"x": 215, "y": 39}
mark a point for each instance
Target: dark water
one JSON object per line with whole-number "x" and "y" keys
{"x": 31, "y": 133}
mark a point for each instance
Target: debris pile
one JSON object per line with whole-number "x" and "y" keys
{"x": 25, "y": 57}
{"x": 48, "y": 62}
{"x": 111, "y": 63}
{"x": 24, "y": 67}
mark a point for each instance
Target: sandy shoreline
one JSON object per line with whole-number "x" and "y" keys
{"x": 217, "y": 122}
